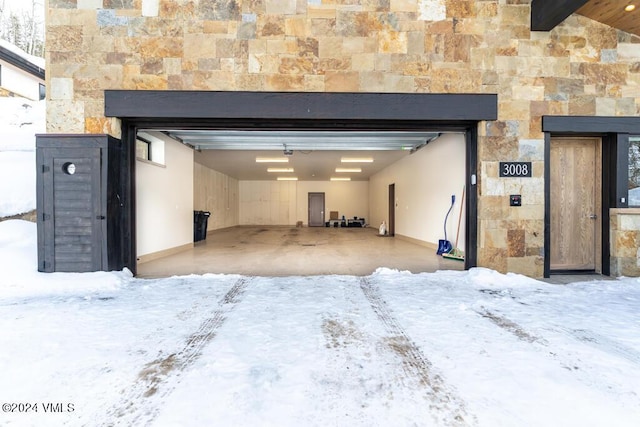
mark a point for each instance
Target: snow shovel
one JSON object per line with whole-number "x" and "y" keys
{"x": 444, "y": 246}
{"x": 456, "y": 253}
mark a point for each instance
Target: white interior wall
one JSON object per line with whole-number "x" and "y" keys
{"x": 267, "y": 202}
{"x": 217, "y": 193}
{"x": 164, "y": 205}
{"x": 424, "y": 182}
{"x": 349, "y": 198}
{"x": 286, "y": 202}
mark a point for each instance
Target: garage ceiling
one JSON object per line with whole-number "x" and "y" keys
{"x": 313, "y": 155}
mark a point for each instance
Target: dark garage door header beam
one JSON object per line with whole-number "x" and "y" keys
{"x": 134, "y": 104}
{"x": 547, "y": 14}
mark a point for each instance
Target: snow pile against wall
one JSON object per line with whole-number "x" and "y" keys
{"x": 20, "y": 120}
{"x": 20, "y": 276}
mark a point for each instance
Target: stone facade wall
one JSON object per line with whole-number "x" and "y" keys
{"x": 625, "y": 242}
{"x": 409, "y": 46}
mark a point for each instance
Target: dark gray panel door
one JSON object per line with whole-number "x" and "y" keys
{"x": 391, "y": 227}
{"x": 316, "y": 209}
{"x": 73, "y": 216}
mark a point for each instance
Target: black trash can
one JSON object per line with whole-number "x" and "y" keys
{"x": 200, "y": 221}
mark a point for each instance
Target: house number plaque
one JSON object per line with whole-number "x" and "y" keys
{"x": 515, "y": 169}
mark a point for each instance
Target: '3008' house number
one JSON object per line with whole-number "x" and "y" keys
{"x": 515, "y": 169}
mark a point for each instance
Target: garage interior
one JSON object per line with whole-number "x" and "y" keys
{"x": 273, "y": 196}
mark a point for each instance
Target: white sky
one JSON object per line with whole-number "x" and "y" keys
{"x": 18, "y": 5}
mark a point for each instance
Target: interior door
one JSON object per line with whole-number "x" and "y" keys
{"x": 391, "y": 227}
{"x": 316, "y": 210}
{"x": 575, "y": 204}
{"x": 73, "y": 210}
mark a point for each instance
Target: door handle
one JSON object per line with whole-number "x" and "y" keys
{"x": 593, "y": 216}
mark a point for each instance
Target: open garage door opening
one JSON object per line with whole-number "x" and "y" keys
{"x": 413, "y": 190}
{"x": 298, "y": 202}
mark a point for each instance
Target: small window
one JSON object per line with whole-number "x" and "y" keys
{"x": 143, "y": 149}
{"x": 634, "y": 171}
{"x": 43, "y": 92}
{"x": 150, "y": 148}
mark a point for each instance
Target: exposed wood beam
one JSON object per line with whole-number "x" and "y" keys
{"x": 547, "y": 14}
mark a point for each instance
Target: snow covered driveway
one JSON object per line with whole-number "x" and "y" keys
{"x": 391, "y": 349}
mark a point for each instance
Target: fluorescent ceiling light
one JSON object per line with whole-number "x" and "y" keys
{"x": 357, "y": 160}
{"x": 278, "y": 170}
{"x": 340, "y": 179}
{"x": 272, "y": 160}
{"x": 630, "y": 7}
{"x": 347, "y": 170}
{"x": 287, "y": 178}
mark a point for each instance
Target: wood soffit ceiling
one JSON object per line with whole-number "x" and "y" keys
{"x": 612, "y": 13}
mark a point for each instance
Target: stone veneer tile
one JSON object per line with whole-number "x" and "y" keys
{"x": 219, "y": 10}
{"x": 296, "y": 26}
{"x": 342, "y": 81}
{"x": 63, "y": 4}
{"x": 64, "y": 38}
{"x": 629, "y": 222}
{"x": 625, "y": 243}
{"x": 493, "y": 238}
{"x": 605, "y": 107}
{"x": 494, "y": 257}
{"x": 498, "y": 148}
{"x": 90, "y": 4}
{"x": 281, "y": 7}
{"x": 61, "y": 88}
{"x": 531, "y": 150}
{"x": 515, "y": 243}
{"x": 532, "y": 266}
{"x": 314, "y": 83}
{"x": 321, "y": 12}
{"x": 284, "y": 83}
{"x": 65, "y": 116}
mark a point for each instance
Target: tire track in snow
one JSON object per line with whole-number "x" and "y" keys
{"x": 584, "y": 373}
{"x": 448, "y": 407}
{"x": 511, "y": 327}
{"x": 604, "y": 344}
{"x": 593, "y": 339}
{"x": 142, "y": 401}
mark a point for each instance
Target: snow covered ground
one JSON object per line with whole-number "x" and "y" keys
{"x": 392, "y": 349}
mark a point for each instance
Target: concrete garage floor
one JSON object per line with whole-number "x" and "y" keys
{"x": 291, "y": 251}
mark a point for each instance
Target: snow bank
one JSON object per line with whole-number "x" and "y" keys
{"x": 17, "y": 182}
{"x": 20, "y": 121}
{"x": 20, "y": 278}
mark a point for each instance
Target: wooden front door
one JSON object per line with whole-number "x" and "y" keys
{"x": 575, "y": 204}
{"x": 316, "y": 209}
